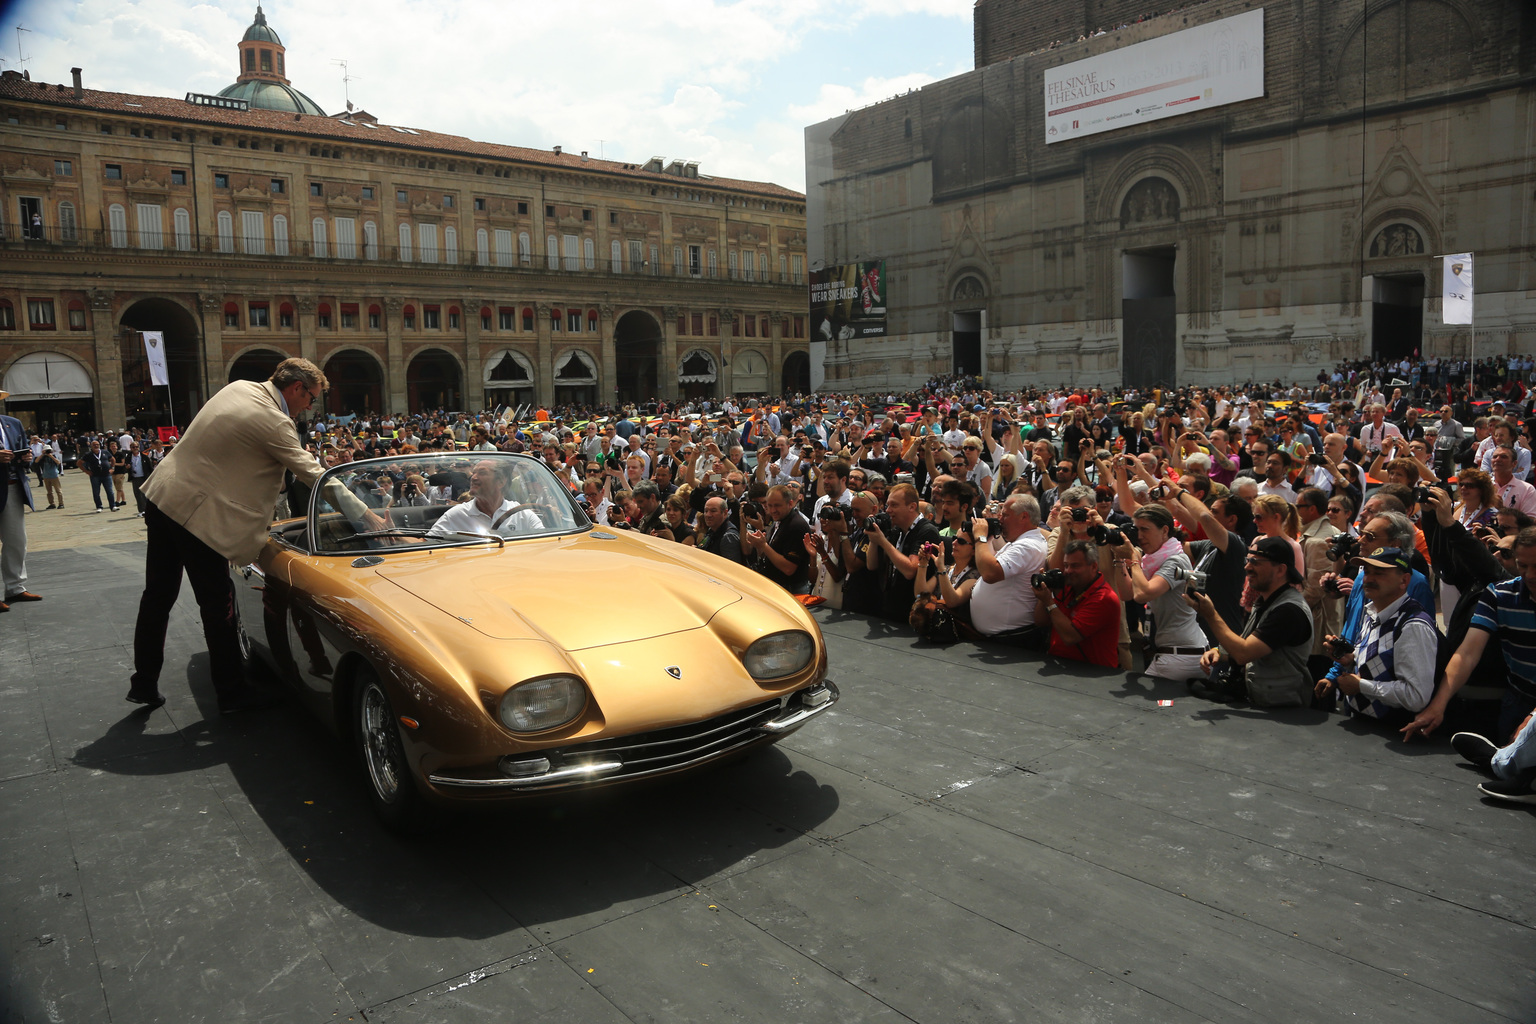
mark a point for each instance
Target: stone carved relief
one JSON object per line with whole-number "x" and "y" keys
{"x": 1150, "y": 200}
{"x": 1397, "y": 240}
{"x": 969, "y": 289}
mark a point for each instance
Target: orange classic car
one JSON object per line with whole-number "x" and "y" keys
{"x": 489, "y": 642}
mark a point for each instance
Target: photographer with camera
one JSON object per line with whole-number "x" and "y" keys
{"x": 942, "y": 589}
{"x": 897, "y": 559}
{"x": 1079, "y": 607}
{"x": 1003, "y": 604}
{"x": 1222, "y": 555}
{"x": 834, "y": 493}
{"x": 774, "y": 541}
{"x": 1158, "y": 579}
{"x": 1394, "y": 659}
{"x": 1271, "y": 651}
{"x": 845, "y": 556}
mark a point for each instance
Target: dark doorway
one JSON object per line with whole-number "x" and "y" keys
{"x": 508, "y": 382}
{"x": 967, "y": 343}
{"x": 152, "y": 405}
{"x": 797, "y": 374}
{"x": 1148, "y": 343}
{"x": 29, "y": 207}
{"x": 636, "y": 345}
{"x": 432, "y": 382}
{"x": 1397, "y": 315}
{"x": 357, "y": 383}
{"x": 257, "y": 365}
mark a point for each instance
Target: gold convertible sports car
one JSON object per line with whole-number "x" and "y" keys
{"x": 504, "y": 645}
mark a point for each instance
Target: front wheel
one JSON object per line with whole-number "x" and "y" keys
{"x": 390, "y": 786}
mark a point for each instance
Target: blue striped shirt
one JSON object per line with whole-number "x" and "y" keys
{"x": 1508, "y": 612}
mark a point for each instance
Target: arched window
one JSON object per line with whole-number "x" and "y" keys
{"x": 483, "y": 247}
{"x": 226, "y": 223}
{"x": 426, "y": 240}
{"x": 588, "y": 254}
{"x": 279, "y": 234}
{"x": 450, "y": 244}
{"x": 117, "y": 223}
{"x": 405, "y": 243}
{"x": 554, "y": 320}
{"x": 370, "y": 240}
{"x": 615, "y": 257}
{"x": 592, "y": 320}
{"x": 317, "y": 235}
{"x": 552, "y": 252}
{"x": 67, "y": 230}
{"x": 524, "y": 248}
{"x": 181, "y": 226}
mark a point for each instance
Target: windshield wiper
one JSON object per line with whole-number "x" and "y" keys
{"x": 398, "y": 531}
{"x": 501, "y": 541}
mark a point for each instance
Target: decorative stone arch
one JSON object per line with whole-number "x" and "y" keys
{"x": 500, "y": 370}
{"x": 355, "y": 392}
{"x": 47, "y": 367}
{"x": 1381, "y": 239}
{"x": 749, "y": 372}
{"x": 1170, "y": 163}
{"x": 1454, "y": 28}
{"x": 575, "y": 367}
{"x": 698, "y": 366}
{"x": 426, "y": 391}
{"x": 969, "y": 287}
{"x": 246, "y": 355}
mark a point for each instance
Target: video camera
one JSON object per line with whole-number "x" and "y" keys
{"x": 1194, "y": 579}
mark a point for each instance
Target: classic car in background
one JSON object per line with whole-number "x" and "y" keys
{"x": 505, "y": 646}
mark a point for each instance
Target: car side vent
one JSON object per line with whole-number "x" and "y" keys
{"x": 364, "y": 561}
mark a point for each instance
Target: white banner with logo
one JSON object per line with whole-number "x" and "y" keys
{"x": 154, "y": 351}
{"x": 1180, "y": 73}
{"x": 1456, "y": 303}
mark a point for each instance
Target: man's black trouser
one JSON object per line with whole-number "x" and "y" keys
{"x": 172, "y": 551}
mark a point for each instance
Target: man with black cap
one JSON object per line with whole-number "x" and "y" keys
{"x": 1267, "y": 663}
{"x": 1395, "y": 677}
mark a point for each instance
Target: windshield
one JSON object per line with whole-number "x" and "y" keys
{"x": 439, "y": 499}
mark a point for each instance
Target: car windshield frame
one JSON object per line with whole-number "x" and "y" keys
{"x": 541, "y": 495}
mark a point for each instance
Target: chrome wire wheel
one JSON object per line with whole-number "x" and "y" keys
{"x": 381, "y": 744}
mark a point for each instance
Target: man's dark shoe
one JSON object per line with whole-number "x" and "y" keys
{"x": 1219, "y": 694}
{"x": 152, "y": 700}
{"x": 1475, "y": 749}
{"x": 248, "y": 698}
{"x": 4, "y": 607}
{"x": 1516, "y": 790}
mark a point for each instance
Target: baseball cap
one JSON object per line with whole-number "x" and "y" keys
{"x": 1387, "y": 558}
{"x": 1278, "y": 550}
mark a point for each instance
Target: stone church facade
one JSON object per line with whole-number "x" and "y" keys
{"x": 1264, "y": 239}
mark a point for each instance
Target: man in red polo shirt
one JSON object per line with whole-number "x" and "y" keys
{"x": 1085, "y": 615}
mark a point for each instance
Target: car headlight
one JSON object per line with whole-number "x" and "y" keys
{"x": 779, "y": 654}
{"x": 542, "y": 704}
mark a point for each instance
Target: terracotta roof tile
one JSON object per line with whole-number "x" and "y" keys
{"x": 13, "y": 86}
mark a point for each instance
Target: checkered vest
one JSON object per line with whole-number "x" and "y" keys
{"x": 1376, "y": 658}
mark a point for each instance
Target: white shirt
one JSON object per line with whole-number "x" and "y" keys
{"x": 1010, "y": 604}
{"x": 1413, "y": 660}
{"x": 467, "y": 518}
{"x": 124, "y": 442}
{"x": 954, "y": 438}
{"x": 1282, "y": 488}
{"x": 845, "y": 499}
{"x": 1372, "y": 436}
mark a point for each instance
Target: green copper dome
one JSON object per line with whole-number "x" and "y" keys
{"x": 272, "y": 96}
{"x": 259, "y": 32}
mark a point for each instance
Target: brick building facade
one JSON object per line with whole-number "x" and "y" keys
{"x": 421, "y": 270}
{"x": 1275, "y": 235}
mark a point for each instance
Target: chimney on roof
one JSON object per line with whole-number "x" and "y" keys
{"x": 557, "y": 151}
{"x": 583, "y": 154}
{"x": 79, "y": 92}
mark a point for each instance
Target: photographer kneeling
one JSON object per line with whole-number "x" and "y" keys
{"x": 1395, "y": 677}
{"x": 1271, "y": 652}
{"x": 1079, "y": 607}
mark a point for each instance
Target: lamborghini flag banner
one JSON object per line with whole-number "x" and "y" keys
{"x": 1456, "y": 307}
{"x": 154, "y": 350}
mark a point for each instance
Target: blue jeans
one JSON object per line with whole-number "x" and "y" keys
{"x": 100, "y": 484}
{"x": 1519, "y": 756}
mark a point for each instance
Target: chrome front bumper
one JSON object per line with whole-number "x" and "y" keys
{"x": 647, "y": 754}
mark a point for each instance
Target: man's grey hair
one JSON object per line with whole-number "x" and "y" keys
{"x": 1024, "y": 503}
{"x": 871, "y": 477}
{"x": 646, "y": 489}
{"x": 1198, "y": 463}
{"x": 1140, "y": 489}
{"x": 1400, "y": 532}
{"x": 1077, "y": 495}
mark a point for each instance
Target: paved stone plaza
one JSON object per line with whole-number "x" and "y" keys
{"x": 970, "y": 836}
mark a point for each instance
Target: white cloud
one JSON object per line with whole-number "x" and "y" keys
{"x": 691, "y": 79}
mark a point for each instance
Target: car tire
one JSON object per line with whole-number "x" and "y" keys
{"x": 391, "y": 787}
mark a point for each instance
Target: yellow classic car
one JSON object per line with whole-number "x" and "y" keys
{"x": 463, "y": 624}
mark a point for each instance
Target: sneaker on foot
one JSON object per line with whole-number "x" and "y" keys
{"x": 1516, "y": 790}
{"x": 1476, "y": 749}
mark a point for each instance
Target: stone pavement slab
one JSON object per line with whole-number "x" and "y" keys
{"x": 971, "y": 835}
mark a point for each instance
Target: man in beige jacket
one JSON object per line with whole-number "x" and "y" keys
{"x": 210, "y": 503}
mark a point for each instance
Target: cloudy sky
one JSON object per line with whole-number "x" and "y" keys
{"x": 730, "y": 85}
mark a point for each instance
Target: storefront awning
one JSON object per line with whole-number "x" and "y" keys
{"x": 46, "y": 376}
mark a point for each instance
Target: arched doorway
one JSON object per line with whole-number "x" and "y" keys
{"x": 49, "y": 392}
{"x": 432, "y": 381}
{"x": 357, "y": 383}
{"x": 696, "y": 375}
{"x": 508, "y": 380}
{"x": 636, "y": 345}
{"x": 575, "y": 379}
{"x": 256, "y": 365}
{"x": 751, "y": 373}
{"x": 150, "y": 405}
{"x": 797, "y": 373}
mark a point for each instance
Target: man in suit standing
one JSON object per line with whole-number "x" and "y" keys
{"x": 15, "y": 499}
{"x": 209, "y": 503}
{"x": 140, "y": 465}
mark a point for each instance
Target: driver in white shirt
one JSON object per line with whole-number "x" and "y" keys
{"x": 489, "y": 510}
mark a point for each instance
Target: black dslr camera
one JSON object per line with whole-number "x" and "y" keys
{"x": 1102, "y": 534}
{"x": 753, "y": 510}
{"x": 1051, "y": 579}
{"x": 1317, "y": 459}
{"x": 1337, "y": 647}
{"x": 880, "y": 521}
{"x": 614, "y": 461}
{"x": 1344, "y": 546}
{"x": 832, "y": 512}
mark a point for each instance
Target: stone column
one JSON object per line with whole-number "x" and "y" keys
{"x": 304, "y": 307}
{"x": 666, "y": 359}
{"x": 725, "y": 388}
{"x": 544, "y": 387}
{"x": 394, "y": 356}
{"x": 111, "y": 409}
{"x": 473, "y": 397}
{"x": 608, "y": 360}
{"x": 776, "y": 323}
{"x": 212, "y": 308}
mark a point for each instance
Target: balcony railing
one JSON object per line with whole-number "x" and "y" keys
{"x": 16, "y": 237}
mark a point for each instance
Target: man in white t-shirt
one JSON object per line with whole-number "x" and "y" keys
{"x": 1377, "y": 430}
{"x": 1003, "y": 602}
{"x": 490, "y": 511}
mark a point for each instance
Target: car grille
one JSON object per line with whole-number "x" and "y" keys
{"x": 667, "y": 748}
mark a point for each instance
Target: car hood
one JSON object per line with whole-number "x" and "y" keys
{"x": 576, "y": 592}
